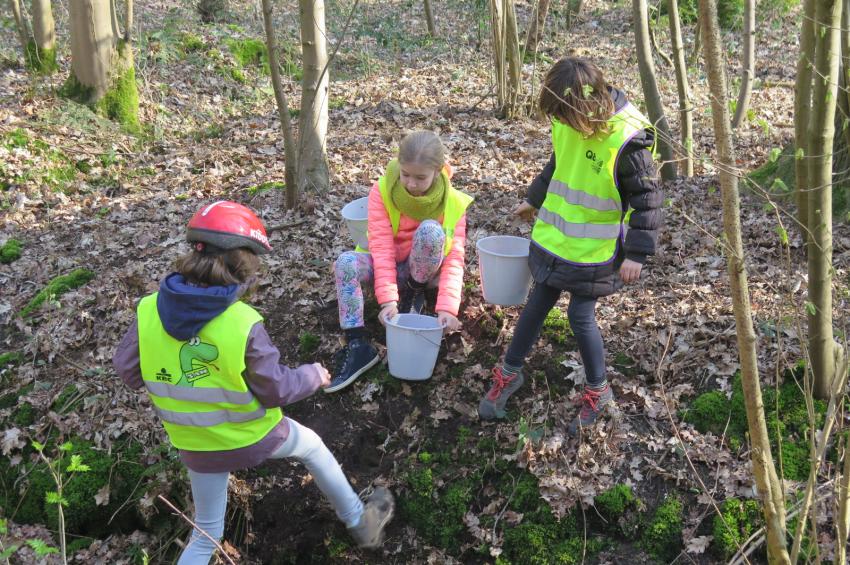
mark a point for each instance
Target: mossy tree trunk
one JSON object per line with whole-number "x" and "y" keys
{"x": 802, "y": 111}
{"x": 536, "y": 26}
{"x": 685, "y": 118}
{"x": 41, "y": 53}
{"x": 291, "y": 156}
{"x": 102, "y": 71}
{"x": 654, "y": 105}
{"x": 429, "y": 18}
{"x": 313, "y": 121}
{"x": 506, "y": 58}
{"x": 819, "y": 190}
{"x": 767, "y": 480}
{"x": 748, "y": 63}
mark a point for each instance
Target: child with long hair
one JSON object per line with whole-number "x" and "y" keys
{"x": 417, "y": 233}
{"x": 216, "y": 381}
{"x": 600, "y": 178}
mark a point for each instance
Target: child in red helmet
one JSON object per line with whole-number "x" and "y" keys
{"x": 215, "y": 380}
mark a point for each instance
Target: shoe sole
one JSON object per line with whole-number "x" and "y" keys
{"x": 353, "y": 377}
{"x": 382, "y": 535}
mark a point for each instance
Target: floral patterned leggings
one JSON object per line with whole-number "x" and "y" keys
{"x": 353, "y": 269}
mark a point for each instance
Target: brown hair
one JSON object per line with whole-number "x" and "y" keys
{"x": 576, "y": 94}
{"x": 234, "y": 266}
{"x": 422, "y": 148}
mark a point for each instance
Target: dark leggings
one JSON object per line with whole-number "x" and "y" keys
{"x": 582, "y": 316}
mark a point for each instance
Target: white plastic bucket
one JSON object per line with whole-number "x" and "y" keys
{"x": 413, "y": 342}
{"x": 356, "y": 214}
{"x": 503, "y": 264}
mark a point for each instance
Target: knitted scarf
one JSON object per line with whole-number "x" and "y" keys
{"x": 429, "y": 206}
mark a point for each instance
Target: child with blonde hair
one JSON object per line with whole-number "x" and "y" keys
{"x": 417, "y": 234}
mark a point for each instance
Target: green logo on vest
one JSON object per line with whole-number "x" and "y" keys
{"x": 195, "y": 359}
{"x": 163, "y": 375}
{"x": 597, "y": 162}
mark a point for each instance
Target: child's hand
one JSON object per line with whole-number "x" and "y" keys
{"x": 448, "y": 321}
{"x": 388, "y": 312}
{"x": 525, "y": 211}
{"x": 324, "y": 375}
{"x": 630, "y": 271}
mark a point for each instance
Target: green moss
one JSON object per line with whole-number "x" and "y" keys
{"x": 545, "y": 541}
{"x": 249, "y": 52}
{"x": 190, "y": 42}
{"x": 24, "y": 415}
{"x": 556, "y": 327}
{"x": 40, "y": 61}
{"x": 10, "y": 399}
{"x": 121, "y": 101}
{"x": 626, "y": 364}
{"x": 662, "y": 537}
{"x": 266, "y": 186}
{"x": 709, "y": 412}
{"x": 10, "y": 251}
{"x": 737, "y": 520}
{"x": 308, "y": 343}
{"x": 73, "y": 89}
{"x": 57, "y": 287}
{"x": 614, "y": 502}
{"x": 16, "y": 138}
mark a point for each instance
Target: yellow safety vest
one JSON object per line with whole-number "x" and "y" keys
{"x": 197, "y": 386}
{"x": 582, "y": 217}
{"x": 456, "y": 204}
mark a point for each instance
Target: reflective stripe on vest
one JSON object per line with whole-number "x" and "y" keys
{"x": 581, "y": 219}
{"x": 197, "y": 387}
{"x": 456, "y": 204}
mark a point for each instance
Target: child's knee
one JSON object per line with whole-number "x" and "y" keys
{"x": 430, "y": 231}
{"x": 346, "y": 263}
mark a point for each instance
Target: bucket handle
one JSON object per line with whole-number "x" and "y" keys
{"x": 425, "y": 337}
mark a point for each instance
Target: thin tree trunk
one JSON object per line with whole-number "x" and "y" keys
{"x": 290, "y": 152}
{"x": 429, "y": 19}
{"x": 821, "y": 134}
{"x": 685, "y": 117}
{"x": 536, "y": 26}
{"x": 843, "y": 94}
{"x": 506, "y": 57}
{"x": 748, "y": 63}
{"x": 654, "y": 105}
{"x": 692, "y": 60}
{"x": 313, "y": 121}
{"x": 43, "y": 56}
{"x": 21, "y": 24}
{"x": 842, "y": 518}
{"x": 128, "y": 22}
{"x": 514, "y": 59}
{"x": 497, "y": 26}
{"x": 767, "y": 481}
{"x": 802, "y": 113}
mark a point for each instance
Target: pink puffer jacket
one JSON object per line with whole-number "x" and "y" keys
{"x": 388, "y": 249}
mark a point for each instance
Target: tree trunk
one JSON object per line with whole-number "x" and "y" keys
{"x": 313, "y": 123}
{"x": 802, "y": 112}
{"x": 506, "y": 57}
{"x": 128, "y": 22}
{"x": 102, "y": 71}
{"x": 536, "y": 26}
{"x": 767, "y": 481}
{"x": 42, "y": 53}
{"x": 429, "y": 19}
{"x": 748, "y": 63}
{"x": 291, "y": 156}
{"x": 821, "y": 133}
{"x": 685, "y": 117}
{"x": 654, "y": 106}
{"x": 212, "y": 10}
{"x": 842, "y": 518}
{"x": 21, "y": 25}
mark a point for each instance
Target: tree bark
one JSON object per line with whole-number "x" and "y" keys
{"x": 429, "y": 19}
{"x": 21, "y": 25}
{"x": 536, "y": 26}
{"x": 748, "y": 63}
{"x": 41, "y": 53}
{"x": 128, "y": 22}
{"x": 767, "y": 481}
{"x": 654, "y": 105}
{"x": 842, "y": 518}
{"x": 821, "y": 134}
{"x": 291, "y": 156}
{"x": 506, "y": 57}
{"x": 802, "y": 112}
{"x": 685, "y": 118}
{"x": 313, "y": 121}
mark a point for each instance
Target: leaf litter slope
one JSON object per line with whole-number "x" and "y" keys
{"x": 124, "y": 219}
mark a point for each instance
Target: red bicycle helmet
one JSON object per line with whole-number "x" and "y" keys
{"x": 228, "y": 225}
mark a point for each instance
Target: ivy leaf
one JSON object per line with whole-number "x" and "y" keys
{"x": 774, "y": 154}
{"x": 41, "y": 548}
{"x": 77, "y": 465}
{"x": 37, "y": 446}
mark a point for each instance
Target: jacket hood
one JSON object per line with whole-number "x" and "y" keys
{"x": 185, "y": 308}
{"x": 643, "y": 139}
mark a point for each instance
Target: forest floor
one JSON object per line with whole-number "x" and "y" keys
{"x": 77, "y": 191}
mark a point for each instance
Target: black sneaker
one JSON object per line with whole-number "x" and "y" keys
{"x": 352, "y": 361}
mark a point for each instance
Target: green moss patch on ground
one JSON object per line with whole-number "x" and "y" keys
{"x": 40, "y": 61}
{"x": 57, "y": 287}
{"x": 737, "y": 520}
{"x": 10, "y": 251}
{"x": 556, "y": 327}
{"x": 662, "y": 535}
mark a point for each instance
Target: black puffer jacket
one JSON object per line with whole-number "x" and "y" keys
{"x": 640, "y": 189}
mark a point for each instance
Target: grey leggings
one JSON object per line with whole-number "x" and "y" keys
{"x": 582, "y": 315}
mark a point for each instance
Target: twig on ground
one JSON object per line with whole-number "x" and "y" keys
{"x": 209, "y": 537}
{"x": 280, "y": 227}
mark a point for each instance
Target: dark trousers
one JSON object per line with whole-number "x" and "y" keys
{"x": 582, "y": 316}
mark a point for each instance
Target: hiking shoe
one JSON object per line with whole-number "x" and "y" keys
{"x": 352, "y": 361}
{"x": 493, "y": 404}
{"x": 377, "y": 512}
{"x": 592, "y": 402}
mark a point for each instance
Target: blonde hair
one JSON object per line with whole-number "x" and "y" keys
{"x": 234, "y": 266}
{"x": 576, "y": 94}
{"x": 422, "y": 148}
